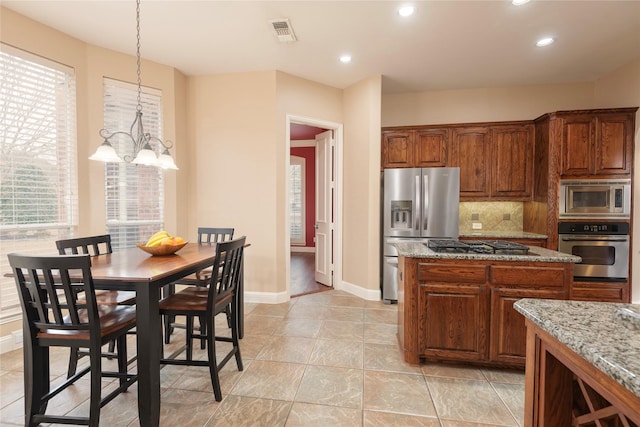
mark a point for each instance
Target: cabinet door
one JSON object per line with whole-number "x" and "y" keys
{"x": 470, "y": 151}
{"x": 614, "y": 141}
{"x": 512, "y": 168}
{"x": 452, "y": 324}
{"x": 397, "y": 149}
{"x": 577, "y": 146}
{"x": 431, "y": 148}
{"x": 508, "y": 332}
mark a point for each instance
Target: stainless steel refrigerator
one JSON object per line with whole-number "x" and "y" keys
{"x": 418, "y": 204}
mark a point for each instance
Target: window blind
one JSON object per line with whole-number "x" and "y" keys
{"x": 134, "y": 193}
{"x": 297, "y": 200}
{"x": 38, "y": 172}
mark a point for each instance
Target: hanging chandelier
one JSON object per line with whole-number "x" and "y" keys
{"x": 143, "y": 153}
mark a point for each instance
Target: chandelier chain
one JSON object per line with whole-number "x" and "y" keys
{"x": 139, "y": 106}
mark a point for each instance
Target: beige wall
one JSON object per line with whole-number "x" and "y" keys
{"x": 232, "y": 168}
{"x": 483, "y": 105}
{"x": 622, "y": 89}
{"x": 361, "y": 201}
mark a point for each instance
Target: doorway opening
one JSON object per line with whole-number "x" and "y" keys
{"x": 313, "y": 186}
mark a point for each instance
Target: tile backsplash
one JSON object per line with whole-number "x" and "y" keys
{"x": 493, "y": 216}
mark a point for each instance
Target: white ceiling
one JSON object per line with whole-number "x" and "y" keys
{"x": 444, "y": 45}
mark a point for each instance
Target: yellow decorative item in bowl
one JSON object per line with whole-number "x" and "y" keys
{"x": 161, "y": 249}
{"x": 162, "y": 243}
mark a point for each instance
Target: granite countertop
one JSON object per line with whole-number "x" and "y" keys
{"x": 536, "y": 254}
{"x": 605, "y": 334}
{"x": 503, "y": 235}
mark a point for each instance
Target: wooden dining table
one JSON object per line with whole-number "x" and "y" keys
{"x": 135, "y": 270}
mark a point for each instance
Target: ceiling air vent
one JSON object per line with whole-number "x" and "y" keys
{"x": 282, "y": 29}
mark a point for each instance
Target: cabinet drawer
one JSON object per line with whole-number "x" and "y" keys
{"x": 448, "y": 273}
{"x": 610, "y": 294}
{"x": 535, "y": 277}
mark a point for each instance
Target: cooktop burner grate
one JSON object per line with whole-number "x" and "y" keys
{"x": 477, "y": 246}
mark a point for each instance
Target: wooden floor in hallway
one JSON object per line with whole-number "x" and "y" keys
{"x": 303, "y": 280}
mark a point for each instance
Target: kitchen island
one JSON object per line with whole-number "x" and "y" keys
{"x": 458, "y": 307}
{"x": 583, "y": 363}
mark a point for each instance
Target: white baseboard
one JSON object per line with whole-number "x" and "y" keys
{"x": 266, "y": 297}
{"x": 9, "y": 342}
{"x": 359, "y": 291}
{"x": 303, "y": 249}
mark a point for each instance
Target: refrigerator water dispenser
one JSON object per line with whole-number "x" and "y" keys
{"x": 401, "y": 214}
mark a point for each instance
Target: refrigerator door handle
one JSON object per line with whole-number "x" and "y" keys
{"x": 425, "y": 202}
{"x": 416, "y": 211}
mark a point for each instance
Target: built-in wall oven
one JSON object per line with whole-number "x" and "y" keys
{"x": 603, "y": 247}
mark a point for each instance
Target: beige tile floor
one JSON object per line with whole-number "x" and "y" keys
{"x": 325, "y": 359}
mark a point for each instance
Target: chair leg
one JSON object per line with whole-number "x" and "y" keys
{"x": 189, "y": 337}
{"x": 234, "y": 338}
{"x": 169, "y": 320}
{"x": 122, "y": 359}
{"x": 36, "y": 380}
{"x": 213, "y": 363}
{"x": 203, "y": 331}
{"x": 112, "y": 348}
{"x": 96, "y": 382}
{"x": 73, "y": 361}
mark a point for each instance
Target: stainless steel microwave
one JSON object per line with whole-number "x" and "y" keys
{"x": 595, "y": 198}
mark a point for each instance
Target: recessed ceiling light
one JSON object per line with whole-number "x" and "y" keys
{"x": 345, "y": 59}
{"x": 545, "y": 41}
{"x": 519, "y": 2}
{"x": 406, "y": 11}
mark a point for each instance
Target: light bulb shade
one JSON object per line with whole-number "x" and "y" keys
{"x": 106, "y": 153}
{"x": 166, "y": 161}
{"x": 146, "y": 157}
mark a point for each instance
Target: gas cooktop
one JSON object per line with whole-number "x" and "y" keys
{"x": 501, "y": 247}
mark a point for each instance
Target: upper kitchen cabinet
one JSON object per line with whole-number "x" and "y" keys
{"x": 431, "y": 147}
{"x": 470, "y": 150}
{"x": 397, "y": 149}
{"x": 496, "y": 161}
{"x": 512, "y": 173}
{"x": 419, "y": 148}
{"x": 596, "y": 143}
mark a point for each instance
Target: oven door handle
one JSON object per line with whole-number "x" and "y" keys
{"x": 595, "y": 239}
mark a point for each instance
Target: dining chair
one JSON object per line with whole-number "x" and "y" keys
{"x": 94, "y": 245}
{"x": 54, "y": 316}
{"x": 222, "y": 295}
{"x": 198, "y": 280}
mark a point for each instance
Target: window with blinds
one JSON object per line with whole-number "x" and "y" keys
{"x": 297, "y": 200}
{"x": 134, "y": 193}
{"x": 38, "y": 173}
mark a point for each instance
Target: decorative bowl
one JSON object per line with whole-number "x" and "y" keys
{"x": 161, "y": 249}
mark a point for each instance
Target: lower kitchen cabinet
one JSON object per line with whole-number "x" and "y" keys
{"x": 508, "y": 333}
{"x": 454, "y": 310}
{"x": 453, "y": 321}
{"x": 601, "y": 291}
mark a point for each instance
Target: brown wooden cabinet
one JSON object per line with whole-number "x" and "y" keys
{"x": 596, "y": 143}
{"x": 508, "y": 334}
{"x": 397, "y": 149}
{"x": 495, "y": 159}
{"x": 430, "y": 147}
{"x": 418, "y": 148}
{"x": 462, "y": 310}
{"x": 471, "y": 152}
{"x": 512, "y": 166}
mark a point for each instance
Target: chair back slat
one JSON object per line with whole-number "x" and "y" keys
{"x": 226, "y": 269}
{"x": 48, "y": 288}
{"x": 92, "y": 245}
{"x": 214, "y": 235}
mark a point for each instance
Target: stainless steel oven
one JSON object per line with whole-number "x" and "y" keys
{"x": 603, "y": 247}
{"x": 595, "y": 198}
